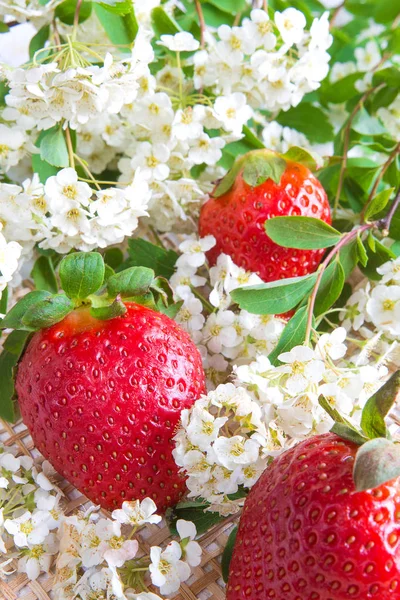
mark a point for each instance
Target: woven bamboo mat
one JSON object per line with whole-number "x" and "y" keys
{"x": 205, "y": 584}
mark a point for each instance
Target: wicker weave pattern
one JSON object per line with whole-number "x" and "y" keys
{"x": 205, "y": 584}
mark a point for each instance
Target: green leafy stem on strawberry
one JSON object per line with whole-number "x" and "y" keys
{"x": 85, "y": 280}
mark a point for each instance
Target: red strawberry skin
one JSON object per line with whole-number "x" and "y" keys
{"x": 237, "y": 220}
{"x": 305, "y": 534}
{"x": 102, "y": 400}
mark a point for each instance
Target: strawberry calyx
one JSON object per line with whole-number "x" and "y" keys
{"x": 85, "y": 281}
{"x": 259, "y": 165}
{"x": 378, "y": 458}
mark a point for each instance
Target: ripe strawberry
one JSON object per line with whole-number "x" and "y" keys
{"x": 306, "y": 534}
{"x": 102, "y": 399}
{"x": 237, "y": 217}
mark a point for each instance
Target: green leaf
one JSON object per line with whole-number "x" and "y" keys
{"x": 194, "y": 512}
{"x": 172, "y": 310}
{"x": 4, "y": 27}
{"x": 275, "y": 297}
{"x": 251, "y": 139}
{"x": 39, "y": 40}
{"x": 293, "y": 334}
{"x": 47, "y": 312}
{"x": 379, "y": 406}
{"x": 113, "y": 257}
{"x": 348, "y": 433}
{"x": 120, "y": 29}
{"x": 330, "y": 288}
{"x": 385, "y": 11}
{"x": 306, "y": 233}
{"x": 12, "y": 350}
{"x": 228, "y": 6}
{"x": 378, "y": 203}
{"x": 377, "y": 462}
{"x": 131, "y": 282}
{"x": 105, "y": 313}
{"x": 3, "y": 302}
{"x": 163, "y": 23}
{"x": 308, "y": 158}
{"x": 348, "y": 258}
{"x": 262, "y": 165}
{"x": 389, "y": 75}
{"x": 145, "y": 254}
{"x": 227, "y": 554}
{"x": 366, "y": 125}
{"x": 44, "y": 276}
{"x": 341, "y": 90}
{"x": 119, "y": 7}
{"x": 53, "y": 147}
{"x": 82, "y": 274}
{"x": 13, "y": 318}
{"x": 375, "y": 259}
{"x": 309, "y": 120}
{"x": 361, "y": 252}
{"x": 42, "y": 167}
{"x": 66, "y": 11}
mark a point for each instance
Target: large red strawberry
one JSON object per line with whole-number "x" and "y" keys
{"x": 102, "y": 396}
{"x": 260, "y": 186}
{"x": 307, "y": 534}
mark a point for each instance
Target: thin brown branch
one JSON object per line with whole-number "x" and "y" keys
{"x": 346, "y": 144}
{"x": 379, "y": 178}
{"x": 384, "y": 224}
{"x": 202, "y": 22}
{"x": 76, "y": 15}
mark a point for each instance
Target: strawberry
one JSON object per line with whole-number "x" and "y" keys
{"x": 102, "y": 394}
{"x": 262, "y": 185}
{"x": 307, "y": 534}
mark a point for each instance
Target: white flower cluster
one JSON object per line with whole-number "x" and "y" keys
{"x": 30, "y": 513}
{"x": 35, "y": 11}
{"x": 229, "y": 437}
{"x": 273, "y": 62}
{"x": 96, "y": 560}
{"x": 374, "y": 308}
{"x": 222, "y": 332}
{"x": 93, "y": 553}
{"x": 66, "y": 213}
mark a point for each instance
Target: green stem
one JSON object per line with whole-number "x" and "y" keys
{"x": 70, "y": 148}
{"x": 86, "y": 169}
{"x": 207, "y": 305}
{"x": 348, "y": 237}
{"x": 178, "y": 60}
{"x": 76, "y": 18}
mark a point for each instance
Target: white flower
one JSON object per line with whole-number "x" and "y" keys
{"x": 236, "y": 39}
{"x": 219, "y": 331}
{"x": 37, "y": 559}
{"x": 302, "y": 368}
{"x": 368, "y": 57}
{"x": 187, "y": 124}
{"x": 191, "y": 550}
{"x": 152, "y": 159}
{"x": 180, "y": 42}
{"x": 233, "y": 112}
{"x": 203, "y": 428}
{"x": 137, "y": 513}
{"x": 336, "y": 397}
{"x": 260, "y": 29}
{"x": 331, "y": 344}
{"x": 390, "y": 271}
{"x": 383, "y": 308}
{"x": 166, "y": 569}
{"x": 234, "y": 451}
{"x": 193, "y": 251}
{"x": 291, "y": 23}
{"x": 64, "y": 191}
{"x": 190, "y": 314}
{"x": 206, "y": 150}
{"x": 353, "y": 314}
{"x": 28, "y": 528}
